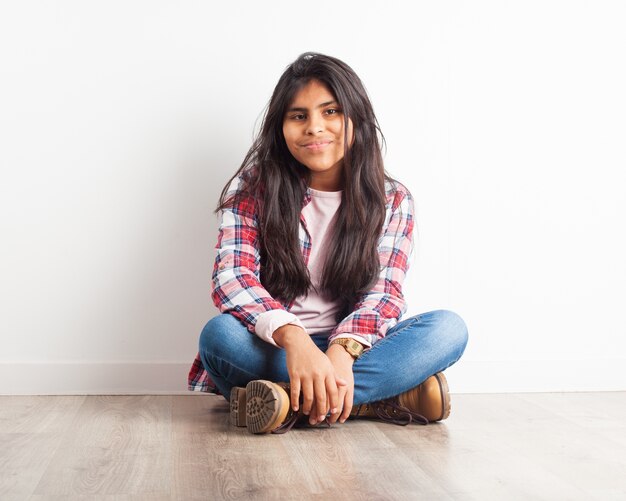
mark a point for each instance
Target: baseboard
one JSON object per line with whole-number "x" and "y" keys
{"x": 468, "y": 376}
{"x": 94, "y": 378}
{"x": 505, "y": 376}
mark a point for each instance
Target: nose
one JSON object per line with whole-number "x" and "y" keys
{"x": 315, "y": 124}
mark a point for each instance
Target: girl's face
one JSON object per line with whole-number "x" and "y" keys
{"x": 313, "y": 129}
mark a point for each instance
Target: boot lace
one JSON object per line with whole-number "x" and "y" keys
{"x": 291, "y": 421}
{"x": 391, "y": 411}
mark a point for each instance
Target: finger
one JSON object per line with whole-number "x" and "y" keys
{"x": 313, "y": 415}
{"x": 335, "y": 415}
{"x": 320, "y": 399}
{"x": 318, "y": 417}
{"x": 340, "y": 381}
{"x": 332, "y": 395}
{"x": 295, "y": 393}
{"x": 307, "y": 396}
{"x": 347, "y": 406}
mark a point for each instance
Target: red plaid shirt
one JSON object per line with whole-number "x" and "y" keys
{"x": 237, "y": 287}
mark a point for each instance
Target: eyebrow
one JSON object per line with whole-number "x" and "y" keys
{"x": 306, "y": 109}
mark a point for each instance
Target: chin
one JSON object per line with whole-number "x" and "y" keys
{"x": 320, "y": 168}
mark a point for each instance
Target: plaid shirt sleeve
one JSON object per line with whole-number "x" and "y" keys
{"x": 381, "y": 307}
{"x": 237, "y": 285}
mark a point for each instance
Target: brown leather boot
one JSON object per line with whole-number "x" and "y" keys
{"x": 426, "y": 403}
{"x": 262, "y": 406}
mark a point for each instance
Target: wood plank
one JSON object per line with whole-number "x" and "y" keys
{"x": 31, "y": 430}
{"x": 213, "y": 458}
{"x": 584, "y": 444}
{"x": 523, "y": 446}
{"x": 117, "y": 445}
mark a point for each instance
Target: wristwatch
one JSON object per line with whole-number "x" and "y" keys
{"x": 354, "y": 348}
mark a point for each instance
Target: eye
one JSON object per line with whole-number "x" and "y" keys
{"x": 333, "y": 111}
{"x": 299, "y": 116}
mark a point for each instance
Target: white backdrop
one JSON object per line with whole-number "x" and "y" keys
{"x": 121, "y": 121}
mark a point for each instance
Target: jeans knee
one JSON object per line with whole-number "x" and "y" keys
{"x": 212, "y": 335}
{"x": 454, "y": 327}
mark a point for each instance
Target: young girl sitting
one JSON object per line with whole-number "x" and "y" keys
{"x": 313, "y": 247}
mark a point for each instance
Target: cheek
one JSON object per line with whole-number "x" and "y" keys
{"x": 290, "y": 132}
{"x": 287, "y": 137}
{"x": 290, "y": 142}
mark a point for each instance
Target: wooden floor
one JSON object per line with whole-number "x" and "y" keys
{"x": 505, "y": 447}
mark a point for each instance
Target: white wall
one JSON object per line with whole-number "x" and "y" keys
{"x": 121, "y": 121}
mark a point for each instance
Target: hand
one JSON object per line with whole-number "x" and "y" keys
{"x": 311, "y": 371}
{"x": 342, "y": 362}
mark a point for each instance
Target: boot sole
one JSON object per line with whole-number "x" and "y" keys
{"x": 445, "y": 396}
{"x": 238, "y": 406}
{"x": 266, "y": 406}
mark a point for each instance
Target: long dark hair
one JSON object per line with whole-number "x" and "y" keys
{"x": 277, "y": 183}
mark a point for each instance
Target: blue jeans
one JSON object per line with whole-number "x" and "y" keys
{"x": 413, "y": 350}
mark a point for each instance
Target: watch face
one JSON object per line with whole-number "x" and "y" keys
{"x": 354, "y": 348}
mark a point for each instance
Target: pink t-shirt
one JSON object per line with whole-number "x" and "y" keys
{"x": 313, "y": 313}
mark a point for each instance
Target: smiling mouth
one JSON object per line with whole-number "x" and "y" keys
{"x": 317, "y": 145}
